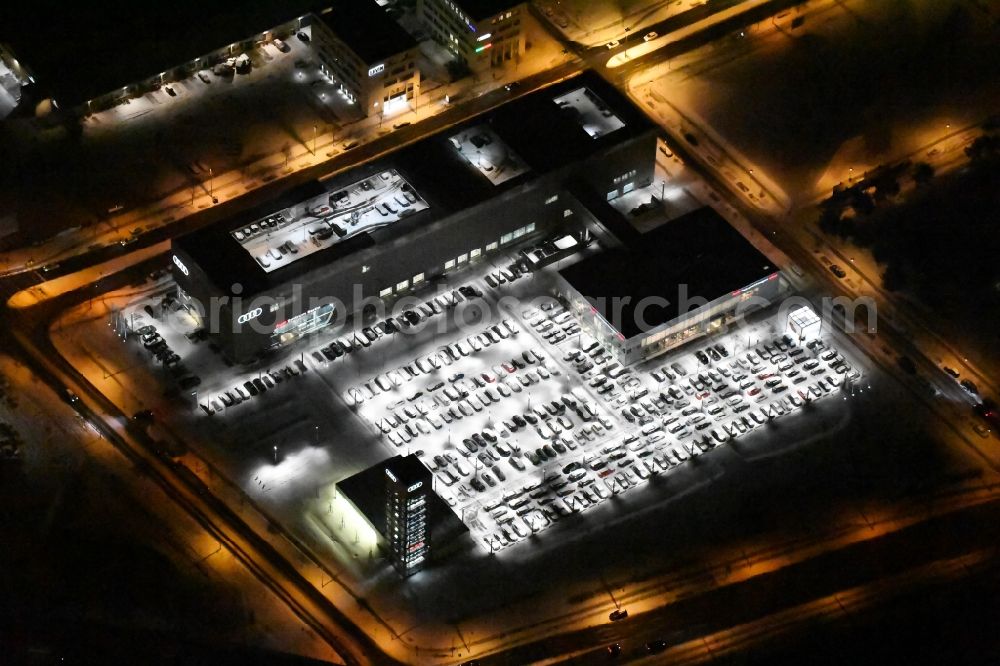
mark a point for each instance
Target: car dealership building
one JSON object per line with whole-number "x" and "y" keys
{"x": 686, "y": 279}
{"x": 384, "y": 229}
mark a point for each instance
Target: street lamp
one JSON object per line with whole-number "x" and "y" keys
{"x": 211, "y": 185}
{"x": 275, "y": 455}
{"x": 314, "y": 139}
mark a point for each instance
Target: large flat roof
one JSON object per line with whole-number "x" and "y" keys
{"x": 367, "y": 29}
{"x": 532, "y": 127}
{"x": 79, "y": 50}
{"x": 367, "y": 492}
{"x": 700, "y": 252}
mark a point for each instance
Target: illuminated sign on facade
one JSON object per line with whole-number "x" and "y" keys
{"x": 377, "y": 69}
{"x": 253, "y": 314}
{"x": 414, "y": 486}
{"x": 390, "y": 475}
{"x": 180, "y": 264}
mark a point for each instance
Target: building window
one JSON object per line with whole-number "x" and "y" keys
{"x": 629, "y": 186}
{"x": 475, "y": 253}
{"x": 567, "y": 212}
{"x": 530, "y": 228}
{"x": 449, "y": 264}
{"x": 385, "y": 292}
{"x": 554, "y": 198}
{"x": 462, "y": 258}
{"x": 418, "y": 278}
{"x": 613, "y": 194}
{"x": 506, "y": 238}
{"x": 402, "y": 285}
{"x": 491, "y": 246}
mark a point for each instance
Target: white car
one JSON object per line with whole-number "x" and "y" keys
{"x": 649, "y": 36}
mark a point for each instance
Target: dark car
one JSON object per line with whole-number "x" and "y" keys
{"x": 702, "y": 357}
{"x": 653, "y": 647}
{"x": 369, "y": 333}
{"x": 251, "y": 389}
{"x": 969, "y": 387}
{"x": 614, "y": 650}
{"x": 838, "y": 271}
{"x": 618, "y": 614}
{"x": 303, "y": 37}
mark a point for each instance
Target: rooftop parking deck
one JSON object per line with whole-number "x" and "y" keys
{"x": 281, "y": 238}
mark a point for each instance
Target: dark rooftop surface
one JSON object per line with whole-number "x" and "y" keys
{"x": 698, "y": 251}
{"x": 79, "y": 50}
{"x": 367, "y": 29}
{"x": 481, "y": 9}
{"x": 366, "y": 490}
{"x": 533, "y": 126}
{"x": 407, "y": 469}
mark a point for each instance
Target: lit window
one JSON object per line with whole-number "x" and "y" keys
{"x": 449, "y": 264}
{"x": 418, "y": 278}
{"x": 567, "y": 212}
{"x": 475, "y": 253}
{"x": 402, "y": 285}
{"x": 462, "y": 258}
{"x": 385, "y": 292}
{"x": 528, "y": 229}
{"x": 506, "y": 238}
{"x": 554, "y": 198}
{"x": 491, "y": 246}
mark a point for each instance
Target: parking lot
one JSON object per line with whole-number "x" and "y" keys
{"x": 523, "y": 419}
{"x": 526, "y": 420}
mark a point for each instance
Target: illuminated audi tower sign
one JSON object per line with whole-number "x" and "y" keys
{"x": 407, "y": 522}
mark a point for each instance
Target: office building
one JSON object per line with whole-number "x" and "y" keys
{"x": 369, "y": 54}
{"x": 483, "y": 34}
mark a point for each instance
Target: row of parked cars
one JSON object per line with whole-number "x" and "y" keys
{"x": 252, "y": 387}
{"x": 552, "y": 321}
{"x": 363, "y": 338}
{"x": 552, "y": 421}
{"x": 445, "y": 356}
{"x": 504, "y": 275}
{"x": 161, "y": 351}
{"x": 460, "y": 397}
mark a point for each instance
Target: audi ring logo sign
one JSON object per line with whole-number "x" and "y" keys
{"x": 414, "y": 486}
{"x": 253, "y": 314}
{"x": 180, "y": 264}
{"x": 377, "y": 69}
